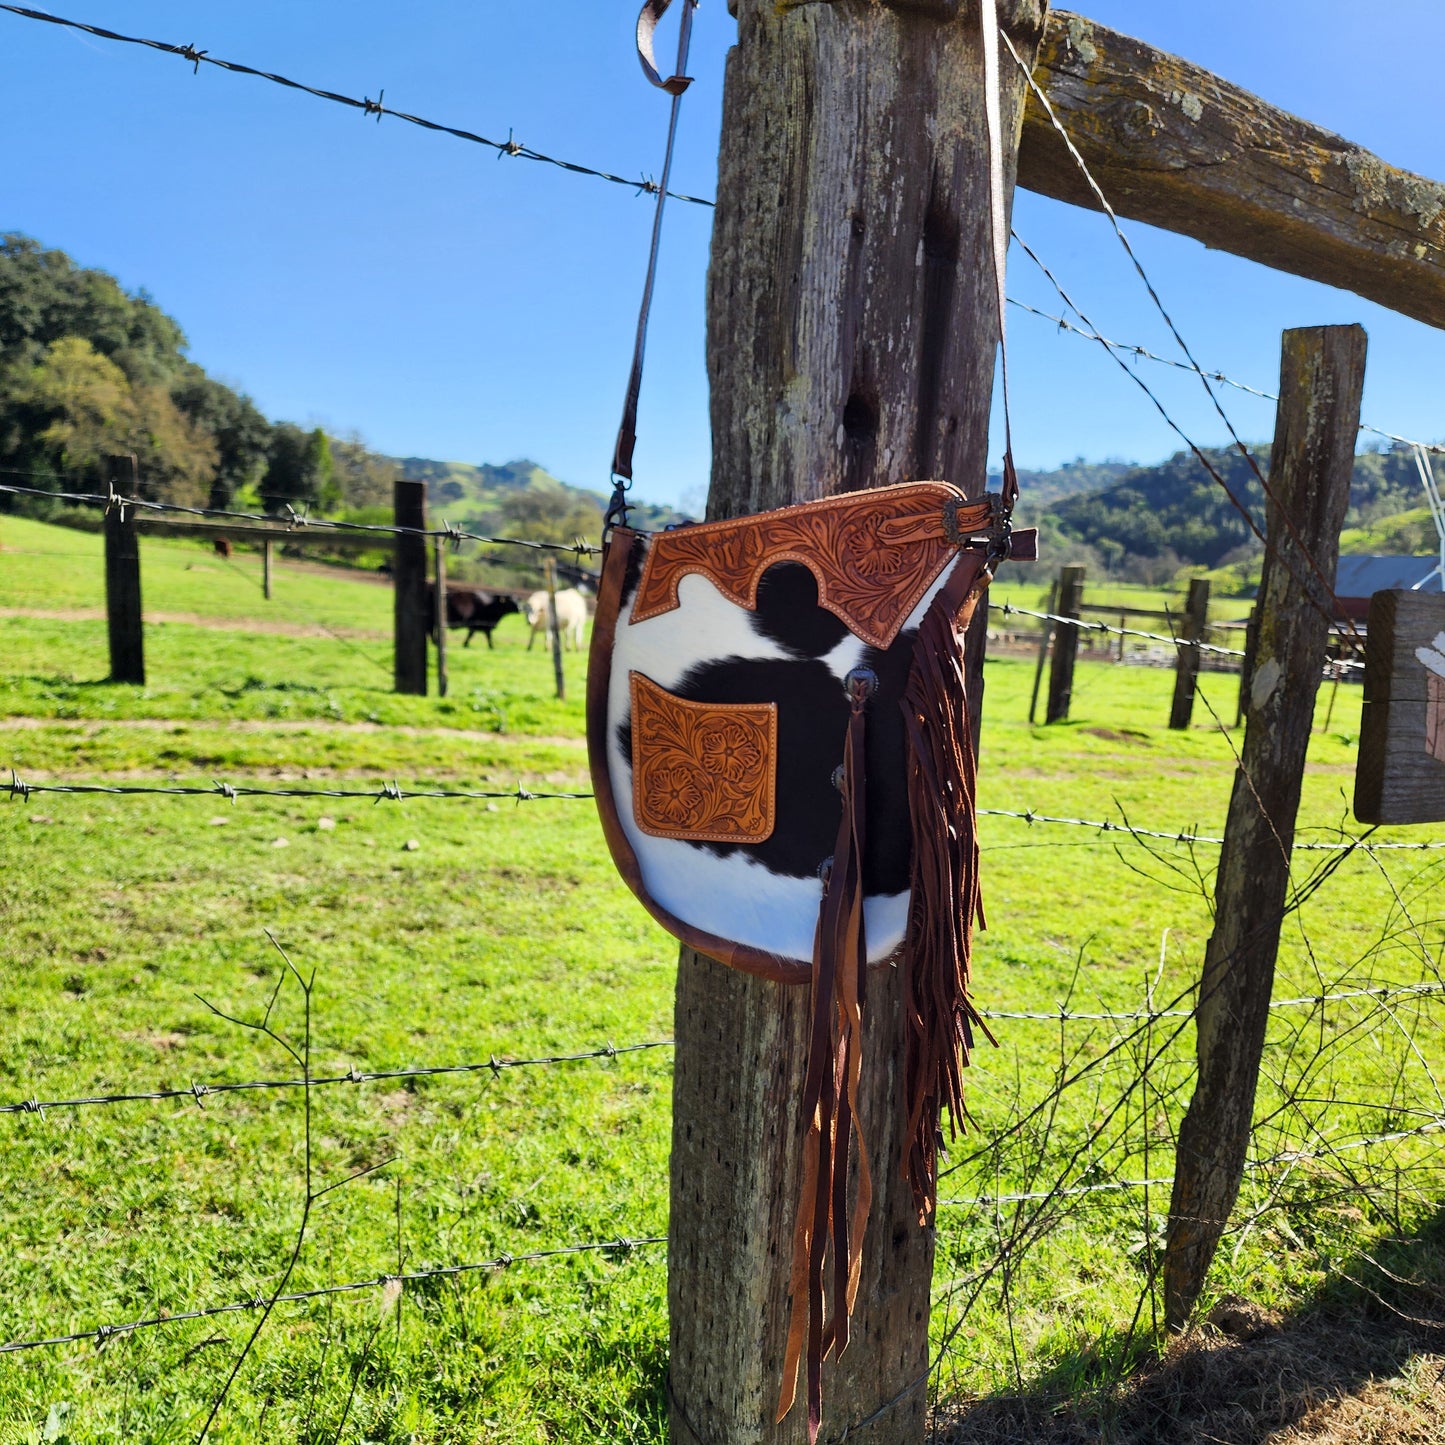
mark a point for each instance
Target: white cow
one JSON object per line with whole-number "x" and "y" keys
{"x": 571, "y": 617}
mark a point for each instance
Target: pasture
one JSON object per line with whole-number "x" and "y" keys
{"x": 446, "y": 931}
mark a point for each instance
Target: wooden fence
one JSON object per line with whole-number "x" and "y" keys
{"x": 416, "y": 615}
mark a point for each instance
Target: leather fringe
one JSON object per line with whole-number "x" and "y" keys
{"x": 940, "y": 1018}
{"x": 945, "y": 898}
{"x": 830, "y": 1097}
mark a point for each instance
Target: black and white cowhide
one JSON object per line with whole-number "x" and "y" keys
{"x": 791, "y": 652}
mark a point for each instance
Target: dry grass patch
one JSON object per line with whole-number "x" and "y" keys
{"x": 1316, "y": 1381}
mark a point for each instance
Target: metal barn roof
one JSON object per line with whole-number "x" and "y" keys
{"x": 1362, "y": 576}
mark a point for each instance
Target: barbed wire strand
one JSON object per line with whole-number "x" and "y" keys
{"x": 1253, "y": 1166}
{"x": 643, "y": 185}
{"x": 1010, "y": 610}
{"x": 1199, "y": 455}
{"x": 1282, "y": 512}
{"x": 1064, "y": 620}
{"x": 200, "y": 1092}
{"x": 100, "y": 1334}
{"x": 1143, "y": 352}
{"x": 1108, "y": 825}
{"x": 391, "y": 792}
{"x": 289, "y": 526}
{"x": 1380, "y": 993}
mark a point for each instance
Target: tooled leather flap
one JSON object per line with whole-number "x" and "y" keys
{"x": 874, "y": 554}
{"x": 702, "y": 771}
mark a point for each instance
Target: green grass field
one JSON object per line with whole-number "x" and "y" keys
{"x": 443, "y": 931}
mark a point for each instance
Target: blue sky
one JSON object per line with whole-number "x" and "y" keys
{"x": 446, "y": 303}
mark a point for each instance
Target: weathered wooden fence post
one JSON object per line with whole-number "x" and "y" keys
{"x": 1400, "y": 772}
{"x": 1317, "y": 424}
{"x": 122, "y": 578}
{"x": 1066, "y": 644}
{"x": 266, "y": 548}
{"x": 1046, "y": 631}
{"x": 851, "y": 343}
{"x": 1246, "y": 663}
{"x": 440, "y": 570}
{"x": 409, "y": 579}
{"x": 554, "y": 631}
{"x": 1186, "y": 663}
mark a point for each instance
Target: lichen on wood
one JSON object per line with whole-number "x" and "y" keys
{"x": 1178, "y": 147}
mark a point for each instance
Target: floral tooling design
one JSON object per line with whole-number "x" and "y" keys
{"x": 874, "y": 554}
{"x": 702, "y": 771}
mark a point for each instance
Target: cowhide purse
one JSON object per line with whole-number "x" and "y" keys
{"x": 781, "y": 752}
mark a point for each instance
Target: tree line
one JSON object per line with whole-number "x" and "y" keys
{"x": 89, "y": 370}
{"x": 1154, "y": 521}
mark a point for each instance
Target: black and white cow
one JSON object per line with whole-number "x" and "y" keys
{"x": 475, "y": 610}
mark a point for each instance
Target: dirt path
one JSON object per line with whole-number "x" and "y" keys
{"x": 94, "y": 726}
{"x": 195, "y": 619}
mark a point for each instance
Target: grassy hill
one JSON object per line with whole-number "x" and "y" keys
{"x": 1409, "y": 533}
{"x": 518, "y": 499}
{"x": 1073, "y": 479}
{"x": 1154, "y": 521}
{"x": 462, "y": 489}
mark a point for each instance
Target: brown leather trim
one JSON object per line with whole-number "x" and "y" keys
{"x": 874, "y": 554}
{"x": 701, "y": 771}
{"x": 1025, "y": 545}
{"x": 599, "y": 676}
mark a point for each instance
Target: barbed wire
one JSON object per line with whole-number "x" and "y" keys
{"x": 295, "y": 522}
{"x": 643, "y": 185}
{"x": 1009, "y": 610}
{"x": 1281, "y": 512}
{"x": 1115, "y": 1186}
{"x": 1367, "y": 1141}
{"x": 201, "y": 1092}
{"x": 1143, "y": 352}
{"x": 1382, "y": 994}
{"x": 1111, "y": 1186}
{"x": 391, "y": 792}
{"x": 100, "y": 1334}
{"x": 1107, "y": 825}
{"x": 1237, "y": 502}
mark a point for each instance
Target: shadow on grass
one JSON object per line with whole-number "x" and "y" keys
{"x": 1359, "y": 1364}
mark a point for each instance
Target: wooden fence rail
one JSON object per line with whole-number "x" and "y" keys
{"x": 122, "y": 527}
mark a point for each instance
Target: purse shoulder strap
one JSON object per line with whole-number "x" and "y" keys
{"x": 999, "y": 228}
{"x": 647, "y": 22}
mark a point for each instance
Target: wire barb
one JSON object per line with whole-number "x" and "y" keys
{"x": 365, "y": 104}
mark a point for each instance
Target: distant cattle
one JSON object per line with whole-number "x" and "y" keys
{"x": 222, "y": 546}
{"x": 475, "y": 610}
{"x": 571, "y": 618}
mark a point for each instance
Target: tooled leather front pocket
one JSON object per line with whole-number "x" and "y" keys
{"x": 702, "y": 771}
